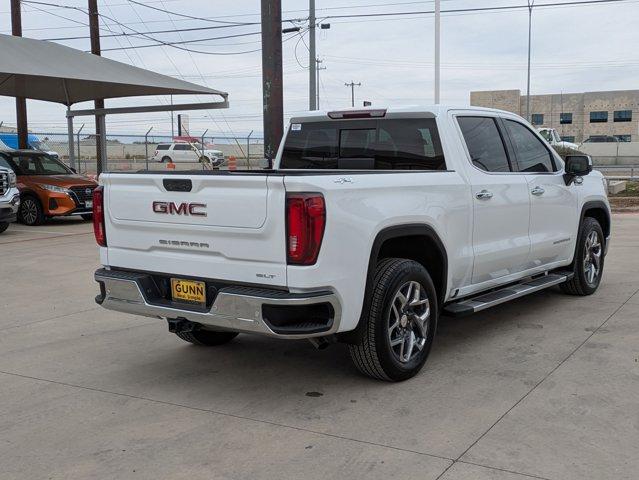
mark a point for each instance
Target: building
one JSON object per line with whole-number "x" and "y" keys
{"x": 576, "y": 116}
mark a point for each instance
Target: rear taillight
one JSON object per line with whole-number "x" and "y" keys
{"x": 305, "y": 221}
{"x": 98, "y": 217}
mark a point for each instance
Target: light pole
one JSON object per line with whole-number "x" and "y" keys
{"x": 531, "y": 3}
{"x": 437, "y": 48}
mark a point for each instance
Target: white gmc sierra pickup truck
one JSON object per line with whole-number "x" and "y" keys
{"x": 371, "y": 224}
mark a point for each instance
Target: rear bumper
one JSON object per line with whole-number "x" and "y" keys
{"x": 241, "y": 309}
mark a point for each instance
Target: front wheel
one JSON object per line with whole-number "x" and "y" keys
{"x": 207, "y": 337}
{"x": 400, "y": 323}
{"x": 589, "y": 260}
{"x": 30, "y": 212}
{"x": 3, "y": 227}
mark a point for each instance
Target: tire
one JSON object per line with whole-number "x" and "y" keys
{"x": 30, "y": 212}
{"x": 374, "y": 355}
{"x": 166, "y": 159}
{"x": 87, "y": 216}
{"x": 590, "y": 242}
{"x": 204, "y": 159}
{"x": 207, "y": 337}
{"x": 3, "y": 227}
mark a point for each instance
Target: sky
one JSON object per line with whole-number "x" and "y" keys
{"x": 574, "y": 49}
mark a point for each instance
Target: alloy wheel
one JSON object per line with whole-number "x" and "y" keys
{"x": 29, "y": 211}
{"x": 592, "y": 258}
{"x": 408, "y": 321}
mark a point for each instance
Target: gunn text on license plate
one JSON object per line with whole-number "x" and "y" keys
{"x": 190, "y": 291}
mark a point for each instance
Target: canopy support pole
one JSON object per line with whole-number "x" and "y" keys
{"x": 101, "y": 143}
{"x": 71, "y": 139}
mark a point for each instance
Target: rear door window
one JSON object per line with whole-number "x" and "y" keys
{"x": 485, "y": 144}
{"x": 532, "y": 154}
{"x": 389, "y": 144}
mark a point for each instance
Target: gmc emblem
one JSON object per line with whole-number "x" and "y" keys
{"x": 183, "y": 208}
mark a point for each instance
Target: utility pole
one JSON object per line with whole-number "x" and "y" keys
{"x": 353, "y": 85}
{"x": 272, "y": 94}
{"x": 100, "y": 126}
{"x": 437, "y": 48}
{"x": 312, "y": 82}
{"x": 21, "y": 102}
{"x": 531, "y": 3}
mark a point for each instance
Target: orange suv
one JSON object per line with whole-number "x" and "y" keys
{"x": 48, "y": 188}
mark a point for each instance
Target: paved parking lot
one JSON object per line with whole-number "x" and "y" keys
{"x": 544, "y": 387}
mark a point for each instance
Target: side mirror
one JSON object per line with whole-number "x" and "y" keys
{"x": 577, "y": 166}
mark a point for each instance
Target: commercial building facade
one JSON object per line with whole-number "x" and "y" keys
{"x": 576, "y": 116}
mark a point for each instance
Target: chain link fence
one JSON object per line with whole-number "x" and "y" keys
{"x": 134, "y": 152}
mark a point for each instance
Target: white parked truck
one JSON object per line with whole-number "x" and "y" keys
{"x": 554, "y": 139}
{"x": 9, "y": 198}
{"x": 371, "y": 224}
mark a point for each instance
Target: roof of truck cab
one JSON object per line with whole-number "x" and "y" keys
{"x": 395, "y": 112}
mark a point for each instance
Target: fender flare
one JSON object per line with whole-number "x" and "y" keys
{"x": 388, "y": 233}
{"x": 599, "y": 204}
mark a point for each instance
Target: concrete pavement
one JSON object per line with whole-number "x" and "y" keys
{"x": 544, "y": 387}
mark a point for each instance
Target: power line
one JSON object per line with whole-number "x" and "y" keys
{"x": 183, "y": 15}
{"x": 476, "y": 9}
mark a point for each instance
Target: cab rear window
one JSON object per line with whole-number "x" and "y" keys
{"x": 388, "y": 144}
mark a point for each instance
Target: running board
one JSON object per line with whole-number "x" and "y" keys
{"x": 495, "y": 297}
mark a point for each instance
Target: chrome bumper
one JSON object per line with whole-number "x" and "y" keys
{"x": 238, "y": 309}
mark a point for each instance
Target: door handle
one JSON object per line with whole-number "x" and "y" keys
{"x": 484, "y": 195}
{"x": 537, "y": 191}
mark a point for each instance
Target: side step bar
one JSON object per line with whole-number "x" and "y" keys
{"x": 503, "y": 295}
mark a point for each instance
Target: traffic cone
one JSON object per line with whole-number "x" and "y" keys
{"x": 232, "y": 163}
{"x": 170, "y": 165}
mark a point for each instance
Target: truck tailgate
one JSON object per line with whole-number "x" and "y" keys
{"x": 224, "y": 227}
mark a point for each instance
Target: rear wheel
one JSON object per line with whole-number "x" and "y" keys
{"x": 3, "y": 227}
{"x": 589, "y": 260}
{"x": 207, "y": 337}
{"x": 30, "y": 212}
{"x": 400, "y": 324}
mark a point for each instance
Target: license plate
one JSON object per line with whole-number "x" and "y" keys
{"x": 189, "y": 291}
{"x": 88, "y": 204}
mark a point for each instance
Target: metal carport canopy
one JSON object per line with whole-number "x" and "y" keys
{"x": 42, "y": 70}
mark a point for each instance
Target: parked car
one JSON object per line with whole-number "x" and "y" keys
{"x": 48, "y": 188}
{"x": 601, "y": 139}
{"x": 187, "y": 152}
{"x": 372, "y": 224}
{"x": 9, "y": 198}
{"x": 553, "y": 138}
{"x": 9, "y": 140}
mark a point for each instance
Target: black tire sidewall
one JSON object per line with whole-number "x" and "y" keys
{"x": 3, "y": 227}
{"x": 588, "y": 225}
{"x": 396, "y": 370}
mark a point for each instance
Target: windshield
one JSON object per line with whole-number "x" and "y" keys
{"x": 546, "y": 134}
{"x": 37, "y": 165}
{"x": 40, "y": 145}
{"x": 397, "y": 144}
